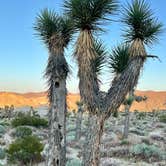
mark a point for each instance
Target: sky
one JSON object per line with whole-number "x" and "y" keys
{"x": 23, "y": 57}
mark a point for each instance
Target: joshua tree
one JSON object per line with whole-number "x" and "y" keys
{"x": 79, "y": 120}
{"x": 56, "y": 33}
{"x": 97, "y": 63}
{"x": 118, "y": 62}
{"x": 128, "y": 103}
{"x": 142, "y": 28}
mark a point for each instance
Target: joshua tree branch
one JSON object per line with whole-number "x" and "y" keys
{"x": 123, "y": 84}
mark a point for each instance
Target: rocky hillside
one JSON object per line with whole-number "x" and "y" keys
{"x": 156, "y": 100}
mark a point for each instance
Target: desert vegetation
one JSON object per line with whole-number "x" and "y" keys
{"x": 96, "y": 133}
{"x": 145, "y": 145}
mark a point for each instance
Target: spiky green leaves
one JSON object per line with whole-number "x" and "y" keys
{"x": 88, "y": 14}
{"x": 140, "y": 22}
{"x": 119, "y": 59}
{"x": 129, "y": 101}
{"x": 100, "y": 59}
{"x": 48, "y": 24}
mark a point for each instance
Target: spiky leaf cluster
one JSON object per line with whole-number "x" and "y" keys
{"x": 88, "y": 14}
{"x": 140, "y": 22}
{"x": 48, "y": 23}
{"x": 100, "y": 59}
{"x": 119, "y": 59}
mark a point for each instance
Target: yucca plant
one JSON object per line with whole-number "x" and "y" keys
{"x": 80, "y": 111}
{"x": 119, "y": 59}
{"x": 56, "y": 32}
{"x": 118, "y": 62}
{"x": 87, "y": 17}
{"x": 142, "y": 28}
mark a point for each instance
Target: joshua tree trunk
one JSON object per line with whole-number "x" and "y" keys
{"x": 56, "y": 73}
{"x": 127, "y": 115}
{"x": 113, "y": 100}
{"x": 91, "y": 153}
{"x": 57, "y": 139}
{"x": 78, "y": 124}
{"x": 126, "y": 123}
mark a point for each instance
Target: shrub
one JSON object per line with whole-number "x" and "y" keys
{"x": 2, "y": 154}
{"x": 162, "y": 118}
{"x": 68, "y": 114}
{"x": 147, "y": 151}
{"x": 22, "y": 132}
{"x": 141, "y": 115}
{"x": 4, "y": 123}
{"x": 124, "y": 142}
{"x": 25, "y": 150}
{"x": 29, "y": 120}
{"x": 73, "y": 162}
{"x": 115, "y": 114}
{"x": 2, "y": 130}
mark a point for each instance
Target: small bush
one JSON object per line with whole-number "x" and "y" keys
{"x": 68, "y": 114}
{"x": 147, "y": 151}
{"x": 73, "y": 162}
{"x": 25, "y": 150}
{"x": 162, "y": 118}
{"x": 22, "y": 132}
{"x": 141, "y": 115}
{"x": 4, "y": 123}
{"x": 2, "y": 154}
{"x": 30, "y": 121}
{"x": 124, "y": 142}
{"x": 115, "y": 114}
{"x": 2, "y": 130}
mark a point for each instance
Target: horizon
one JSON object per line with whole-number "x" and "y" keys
{"x": 24, "y": 56}
{"x": 28, "y": 92}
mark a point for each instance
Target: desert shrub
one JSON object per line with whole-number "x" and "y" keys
{"x": 22, "y": 132}
{"x": 124, "y": 142}
{"x": 70, "y": 136}
{"x": 73, "y": 162}
{"x": 30, "y": 121}
{"x": 4, "y": 123}
{"x": 141, "y": 115}
{"x": 85, "y": 122}
{"x": 162, "y": 118}
{"x": 129, "y": 100}
{"x": 68, "y": 114}
{"x": 2, "y": 154}
{"x": 115, "y": 114}
{"x": 146, "y": 141}
{"x": 147, "y": 151}
{"x": 25, "y": 150}
{"x": 2, "y": 130}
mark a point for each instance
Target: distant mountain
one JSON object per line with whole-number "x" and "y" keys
{"x": 156, "y": 100}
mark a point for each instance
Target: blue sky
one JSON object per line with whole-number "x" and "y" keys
{"x": 23, "y": 57}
